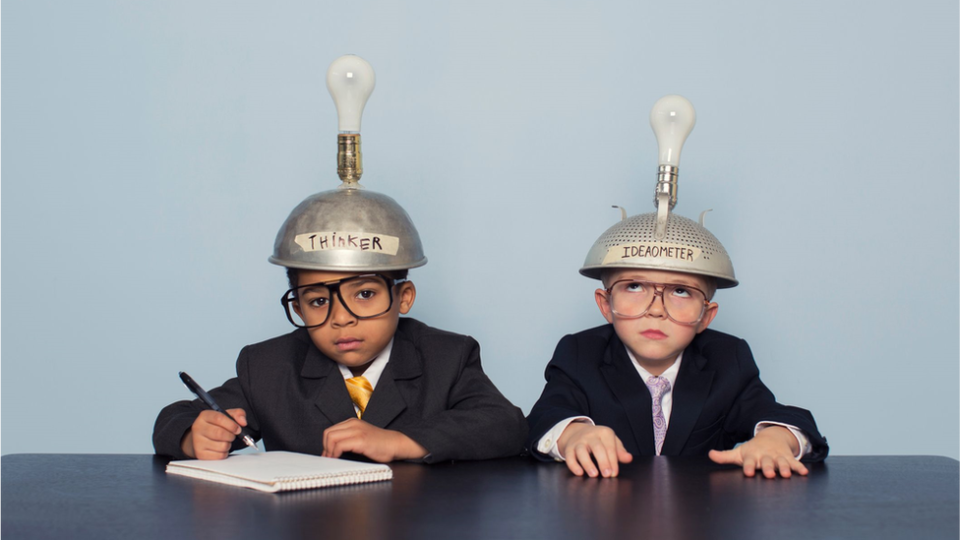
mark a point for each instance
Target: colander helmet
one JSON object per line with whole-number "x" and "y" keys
{"x": 661, "y": 240}
{"x": 687, "y": 247}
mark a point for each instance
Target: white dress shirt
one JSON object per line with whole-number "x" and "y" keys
{"x": 548, "y": 443}
{"x": 373, "y": 371}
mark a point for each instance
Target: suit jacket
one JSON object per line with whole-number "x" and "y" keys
{"x": 433, "y": 390}
{"x": 718, "y": 398}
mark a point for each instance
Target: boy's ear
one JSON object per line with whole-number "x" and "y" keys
{"x": 600, "y": 296}
{"x": 708, "y": 316}
{"x": 406, "y": 295}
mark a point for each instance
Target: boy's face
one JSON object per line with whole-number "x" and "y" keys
{"x": 654, "y": 339}
{"x": 346, "y": 339}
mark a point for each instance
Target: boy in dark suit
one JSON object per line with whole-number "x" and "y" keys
{"x": 381, "y": 386}
{"x": 354, "y": 377}
{"x": 655, "y": 380}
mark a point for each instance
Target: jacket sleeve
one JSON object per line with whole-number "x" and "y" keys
{"x": 562, "y": 397}
{"x": 176, "y": 419}
{"x": 476, "y": 420}
{"x": 756, "y": 403}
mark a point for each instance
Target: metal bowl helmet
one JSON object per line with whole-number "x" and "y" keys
{"x": 349, "y": 229}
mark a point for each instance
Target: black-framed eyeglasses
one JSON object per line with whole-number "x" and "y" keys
{"x": 365, "y": 296}
{"x": 632, "y": 299}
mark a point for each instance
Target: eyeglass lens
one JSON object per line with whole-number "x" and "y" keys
{"x": 634, "y": 298}
{"x": 363, "y": 296}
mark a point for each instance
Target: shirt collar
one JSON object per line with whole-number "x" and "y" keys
{"x": 670, "y": 374}
{"x": 374, "y": 370}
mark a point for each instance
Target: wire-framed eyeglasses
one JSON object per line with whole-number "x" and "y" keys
{"x": 632, "y": 299}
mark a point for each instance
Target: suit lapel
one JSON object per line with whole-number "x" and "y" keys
{"x": 332, "y": 397}
{"x": 689, "y": 395}
{"x": 631, "y": 392}
{"x": 387, "y": 401}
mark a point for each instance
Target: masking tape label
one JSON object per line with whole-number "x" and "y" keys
{"x": 651, "y": 250}
{"x": 353, "y": 241}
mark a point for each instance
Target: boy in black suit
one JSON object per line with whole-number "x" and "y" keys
{"x": 655, "y": 380}
{"x": 354, "y": 377}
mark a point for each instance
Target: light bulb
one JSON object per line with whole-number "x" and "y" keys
{"x": 672, "y": 119}
{"x": 350, "y": 80}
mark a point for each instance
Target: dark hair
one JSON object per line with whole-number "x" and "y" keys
{"x": 293, "y": 276}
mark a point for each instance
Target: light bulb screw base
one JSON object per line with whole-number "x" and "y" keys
{"x": 349, "y": 159}
{"x": 666, "y": 184}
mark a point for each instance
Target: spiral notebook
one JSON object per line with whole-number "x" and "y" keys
{"x": 281, "y": 471}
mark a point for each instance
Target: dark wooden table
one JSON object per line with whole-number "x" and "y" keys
{"x": 128, "y": 496}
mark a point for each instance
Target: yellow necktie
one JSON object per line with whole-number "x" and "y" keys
{"x": 360, "y": 391}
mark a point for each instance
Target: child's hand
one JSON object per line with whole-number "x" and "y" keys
{"x": 382, "y": 445}
{"x": 212, "y": 434}
{"x": 773, "y": 449}
{"x": 579, "y": 441}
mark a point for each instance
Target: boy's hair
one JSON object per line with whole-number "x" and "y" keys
{"x": 709, "y": 281}
{"x": 293, "y": 276}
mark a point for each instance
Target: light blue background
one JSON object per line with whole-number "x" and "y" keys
{"x": 151, "y": 151}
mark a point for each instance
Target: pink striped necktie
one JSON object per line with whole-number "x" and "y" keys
{"x": 658, "y": 386}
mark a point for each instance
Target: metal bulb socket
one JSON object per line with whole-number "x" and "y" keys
{"x": 349, "y": 159}
{"x": 667, "y": 184}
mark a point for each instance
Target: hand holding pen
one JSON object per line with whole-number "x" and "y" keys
{"x": 207, "y": 418}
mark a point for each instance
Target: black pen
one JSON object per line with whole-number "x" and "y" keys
{"x": 206, "y": 398}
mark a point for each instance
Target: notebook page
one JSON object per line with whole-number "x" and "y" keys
{"x": 277, "y": 471}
